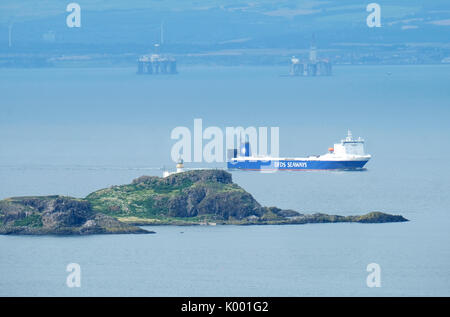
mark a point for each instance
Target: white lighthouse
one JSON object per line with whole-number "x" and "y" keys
{"x": 179, "y": 168}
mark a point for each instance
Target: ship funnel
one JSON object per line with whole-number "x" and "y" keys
{"x": 231, "y": 154}
{"x": 245, "y": 149}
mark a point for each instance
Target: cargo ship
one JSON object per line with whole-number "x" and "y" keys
{"x": 346, "y": 155}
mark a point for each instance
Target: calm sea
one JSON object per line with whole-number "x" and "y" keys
{"x": 72, "y": 131}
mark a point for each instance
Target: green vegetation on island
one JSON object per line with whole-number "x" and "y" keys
{"x": 190, "y": 198}
{"x": 57, "y": 215}
{"x": 202, "y": 197}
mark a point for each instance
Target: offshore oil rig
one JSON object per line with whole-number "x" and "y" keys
{"x": 312, "y": 67}
{"x": 156, "y": 64}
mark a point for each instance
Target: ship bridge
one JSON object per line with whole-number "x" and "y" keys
{"x": 350, "y": 146}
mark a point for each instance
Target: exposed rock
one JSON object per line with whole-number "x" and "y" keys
{"x": 283, "y": 212}
{"x": 57, "y": 215}
{"x": 189, "y": 198}
{"x": 378, "y": 217}
{"x": 198, "y": 196}
{"x": 190, "y": 194}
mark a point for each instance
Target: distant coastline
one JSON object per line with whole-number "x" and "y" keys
{"x": 19, "y": 60}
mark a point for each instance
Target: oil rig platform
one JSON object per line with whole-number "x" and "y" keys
{"x": 312, "y": 67}
{"x": 157, "y": 63}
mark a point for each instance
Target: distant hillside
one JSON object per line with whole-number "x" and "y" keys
{"x": 234, "y": 31}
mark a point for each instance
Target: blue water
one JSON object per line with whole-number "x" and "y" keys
{"x": 72, "y": 131}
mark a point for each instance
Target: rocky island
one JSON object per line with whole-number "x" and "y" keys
{"x": 189, "y": 198}
{"x": 57, "y": 215}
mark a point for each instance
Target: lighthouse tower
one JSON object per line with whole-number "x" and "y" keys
{"x": 180, "y": 166}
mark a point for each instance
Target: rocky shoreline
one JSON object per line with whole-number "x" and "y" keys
{"x": 200, "y": 197}
{"x": 301, "y": 219}
{"x": 57, "y": 215}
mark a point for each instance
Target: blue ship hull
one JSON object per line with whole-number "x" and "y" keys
{"x": 259, "y": 165}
